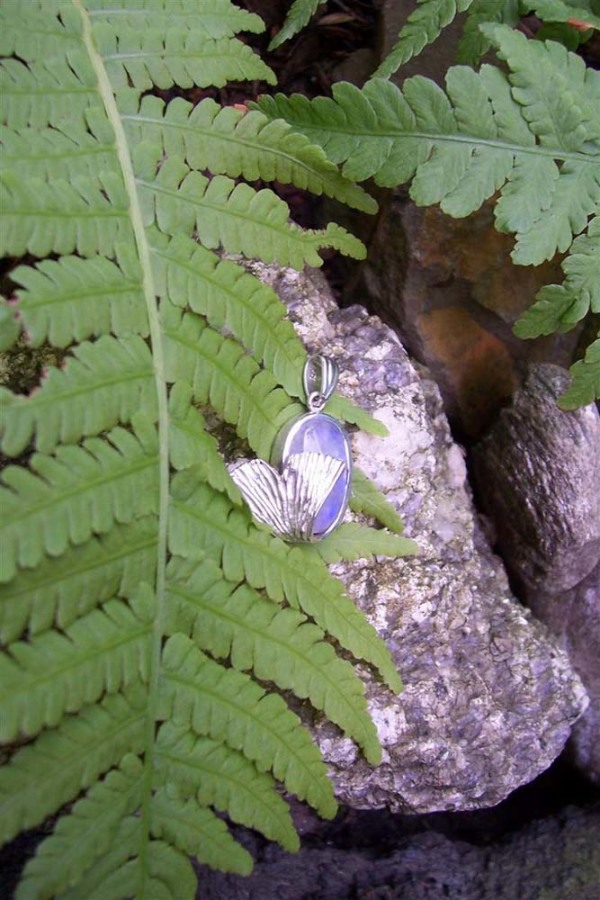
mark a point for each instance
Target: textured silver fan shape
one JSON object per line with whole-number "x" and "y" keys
{"x": 288, "y": 501}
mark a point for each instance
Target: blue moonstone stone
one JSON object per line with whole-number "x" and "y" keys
{"x": 320, "y": 433}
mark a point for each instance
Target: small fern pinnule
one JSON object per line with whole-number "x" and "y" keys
{"x": 529, "y": 137}
{"x": 141, "y": 609}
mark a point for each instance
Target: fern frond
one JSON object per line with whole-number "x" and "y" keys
{"x": 201, "y": 517}
{"x": 197, "y": 831}
{"x": 236, "y": 217}
{"x": 54, "y": 674}
{"x": 47, "y": 91}
{"x": 231, "y": 300}
{"x": 63, "y": 217}
{"x": 38, "y": 779}
{"x": 112, "y": 875}
{"x": 222, "y": 374}
{"x": 221, "y": 777}
{"x": 353, "y": 541}
{"x": 234, "y": 142}
{"x": 85, "y": 834}
{"x": 278, "y": 645}
{"x": 462, "y": 147}
{"x": 102, "y": 384}
{"x": 183, "y": 57}
{"x": 213, "y": 18}
{"x": 76, "y": 492}
{"x": 74, "y": 299}
{"x": 421, "y": 28}
{"x": 32, "y": 31}
{"x": 567, "y": 11}
{"x": 473, "y": 43}
{"x": 193, "y": 446}
{"x": 560, "y": 307}
{"x": 298, "y": 15}
{"x": 585, "y": 386}
{"x": 228, "y": 706}
{"x": 60, "y": 590}
{"x": 51, "y": 153}
{"x": 366, "y": 499}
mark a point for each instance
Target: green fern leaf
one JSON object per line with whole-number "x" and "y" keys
{"x": 46, "y": 91}
{"x": 229, "y": 706}
{"x": 213, "y": 18}
{"x": 236, "y": 217}
{"x": 193, "y": 446}
{"x": 112, "y": 875}
{"x": 566, "y": 11}
{"x": 560, "y": 307}
{"x": 352, "y": 541}
{"x": 490, "y": 130}
{"x": 85, "y": 834}
{"x": 473, "y": 43}
{"x": 237, "y": 623}
{"x": 299, "y": 14}
{"x": 76, "y": 492}
{"x": 221, "y": 777}
{"x": 197, "y": 831}
{"x": 201, "y": 518}
{"x": 31, "y": 31}
{"x": 104, "y": 383}
{"x": 585, "y": 387}
{"x": 221, "y": 374}
{"x": 82, "y": 216}
{"x": 37, "y": 782}
{"x": 232, "y": 142}
{"x": 53, "y": 674}
{"x": 368, "y": 500}
{"x": 184, "y": 57}
{"x": 345, "y": 410}
{"x": 234, "y": 301}
{"x": 51, "y": 153}
{"x": 74, "y": 299}
{"x": 421, "y": 28}
{"x": 60, "y": 590}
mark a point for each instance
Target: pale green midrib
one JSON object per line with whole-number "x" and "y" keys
{"x": 92, "y": 651}
{"x": 64, "y": 154}
{"x": 262, "y": 724}
{"x": 177, "y": 55}
{"x": 110, "y": 477}
{"x": 76, "y": 572}
{"x": 150, "y": 293}
{"x": 436, "y": 137}
{"x": 43, "y": 91}
{"x": 260, "y": 149}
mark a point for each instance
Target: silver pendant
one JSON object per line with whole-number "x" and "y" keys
{"x": 303, "y": 495}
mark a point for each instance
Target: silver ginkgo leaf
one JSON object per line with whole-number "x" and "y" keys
{"x": 288, "y": 501}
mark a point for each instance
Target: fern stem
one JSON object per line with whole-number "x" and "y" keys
{"x": 137, "y": 223}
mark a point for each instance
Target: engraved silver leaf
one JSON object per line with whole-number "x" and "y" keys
{"x": 288, "y": 501}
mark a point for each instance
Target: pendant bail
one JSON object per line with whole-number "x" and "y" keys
{"x": 320, "y": 379}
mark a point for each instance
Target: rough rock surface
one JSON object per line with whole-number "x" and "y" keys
{"x": 538, "y": 476}
{"x": 489, "y": 699}
{"x": 557, "y": 858}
